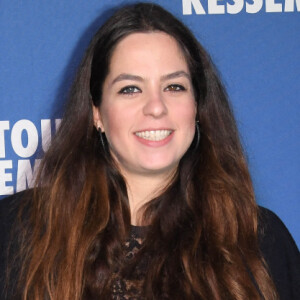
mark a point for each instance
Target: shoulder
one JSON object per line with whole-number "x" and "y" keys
{"x": 273, "y": 232}
{"x": 280, "y": 253}
{"x": 8, "y": 212}
{"x": 9, "y": 208}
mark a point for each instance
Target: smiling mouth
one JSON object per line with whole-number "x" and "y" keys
{"x": 154, "y": 135}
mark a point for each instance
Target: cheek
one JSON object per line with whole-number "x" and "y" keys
{"x": 188, "y": 123}
{"x": 114, "y": 123}
{"x": 187, "y": 114}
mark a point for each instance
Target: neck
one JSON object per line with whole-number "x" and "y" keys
{"x": 141, "y": 190}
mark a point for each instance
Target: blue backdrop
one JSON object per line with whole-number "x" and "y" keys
{"x": 254, "y": 43}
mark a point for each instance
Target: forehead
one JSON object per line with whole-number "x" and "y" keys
{"x": 143, "y": 50}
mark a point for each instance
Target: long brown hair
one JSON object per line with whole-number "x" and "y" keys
{"x": 203, "y": 238}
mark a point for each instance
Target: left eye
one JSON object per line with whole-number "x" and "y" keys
{"x": 131, "y": 89}
{"x": 175, "y": 88}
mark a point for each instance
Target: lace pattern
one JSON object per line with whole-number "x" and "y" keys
{"x": 130, "y": 288}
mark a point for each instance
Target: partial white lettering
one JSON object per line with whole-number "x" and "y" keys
{"x": 16, "y": 138}
{"x": 255, "y": 7}
{"x": 46, "y": 133}
{"x": 4, "y": 125}
{"x": 289, "y": 5}
{"x": 236, "y": 7}
{"x": 5, "y": 178}
{"x": 187, "y": 6}
{"x": 26, "y": 175}
{"x": 271, "y": 6}
{"x": 215, "y": 8}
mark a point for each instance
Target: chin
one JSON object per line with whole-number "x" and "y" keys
{"x": 160, "y": 168}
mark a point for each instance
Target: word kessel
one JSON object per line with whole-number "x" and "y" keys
{"x": 202, "y": 7}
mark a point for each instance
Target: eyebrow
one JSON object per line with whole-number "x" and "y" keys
{"x": 176, "y": 75}
{"x": 126, "y": 76}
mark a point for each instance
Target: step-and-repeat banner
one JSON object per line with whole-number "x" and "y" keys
{"x": 254, "y": 43}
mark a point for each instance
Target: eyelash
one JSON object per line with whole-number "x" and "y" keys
{"x": 175, "y": 88}
{"x": 131, "y": 89}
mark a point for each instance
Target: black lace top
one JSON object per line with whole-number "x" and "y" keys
{"x": 277, "y": 247}
{"x": 124, "y": 288}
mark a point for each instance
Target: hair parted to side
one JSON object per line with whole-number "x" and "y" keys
{"x": 203, "y": 237}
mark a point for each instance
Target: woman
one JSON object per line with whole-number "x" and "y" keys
{"x": 145, "y": 191}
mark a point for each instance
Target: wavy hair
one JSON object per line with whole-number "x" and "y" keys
{"x": 203, "y": 242}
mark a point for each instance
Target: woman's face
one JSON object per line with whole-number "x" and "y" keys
{"x": 148, "y": 108}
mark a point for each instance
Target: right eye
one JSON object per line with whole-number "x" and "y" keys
{"x": 129, "y": 90}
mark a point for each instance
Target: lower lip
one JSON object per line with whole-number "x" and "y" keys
{"x": 155, "y": 143}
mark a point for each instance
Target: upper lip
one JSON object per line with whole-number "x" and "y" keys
{"x": 154, "y": 129}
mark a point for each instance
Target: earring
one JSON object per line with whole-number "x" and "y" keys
{"x": 101, "y": 138}
{"x": 198, "y": 134}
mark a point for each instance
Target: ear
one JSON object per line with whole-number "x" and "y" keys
{"x": 97, "y": 118}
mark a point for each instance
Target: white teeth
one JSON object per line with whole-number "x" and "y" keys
{"x": 154, "y": 135}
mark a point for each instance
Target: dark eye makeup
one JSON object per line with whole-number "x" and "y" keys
{"x": 130, "y": 89}
{"x": 175, "y": 88}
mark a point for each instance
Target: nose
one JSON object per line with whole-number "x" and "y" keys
{"x": 155, "y": 105}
